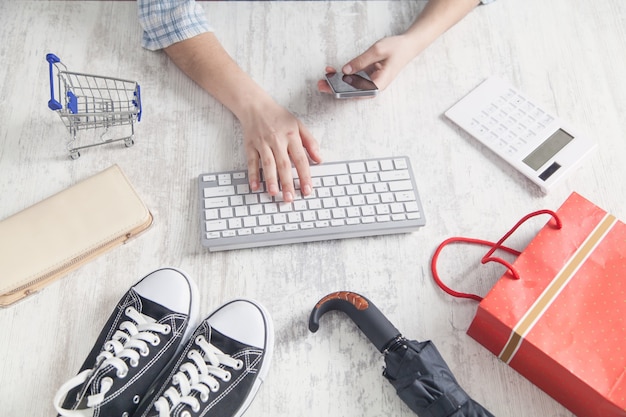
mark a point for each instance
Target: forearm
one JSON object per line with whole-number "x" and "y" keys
{"x": 436, "y": 18}
{"x": 205, "y": 61}
{"x": 272, "y": 135}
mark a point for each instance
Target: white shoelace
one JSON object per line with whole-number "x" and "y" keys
{"x": 130, "y": 342}
{"x": 201, "y": 374}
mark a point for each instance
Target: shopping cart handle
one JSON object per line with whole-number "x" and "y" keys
{"x": 52, "y": 103}
{"x": 138, "y": 102}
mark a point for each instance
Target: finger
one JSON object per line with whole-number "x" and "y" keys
{"x": 382, "y": 76}
{"x": 254, "y": 178}
{"x": 283, "y": 167}
{"x": 323, "y": 87}
{"x": 310, "y": 143}
{"x": 269, "y": 171}
{"x": 301, "y": 163}
{"x": 371, "y": 56}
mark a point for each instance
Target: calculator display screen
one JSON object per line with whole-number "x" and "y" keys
{"x": 550, "y": 147}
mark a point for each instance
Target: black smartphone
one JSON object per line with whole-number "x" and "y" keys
{"x": 351, "y": 85}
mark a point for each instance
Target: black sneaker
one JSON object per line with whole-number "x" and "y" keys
{"x": 145, "y": 331}
{"x": 221, "y": 368}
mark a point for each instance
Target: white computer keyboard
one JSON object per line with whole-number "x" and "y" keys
{"x": 350, "y": 199}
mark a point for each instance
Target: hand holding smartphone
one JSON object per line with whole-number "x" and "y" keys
{"x": 351, "y": 85}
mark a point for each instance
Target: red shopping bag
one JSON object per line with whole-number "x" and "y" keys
{"x": 558, "y": 315}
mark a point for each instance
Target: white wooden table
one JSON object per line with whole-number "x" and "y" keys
{"x": 568, "y": 55}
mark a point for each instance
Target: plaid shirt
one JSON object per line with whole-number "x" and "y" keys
{"x": 166, "y": 22}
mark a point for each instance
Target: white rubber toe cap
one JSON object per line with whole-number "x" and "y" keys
{"x": 244, "y": 321}
{"x": 168, "y": 287}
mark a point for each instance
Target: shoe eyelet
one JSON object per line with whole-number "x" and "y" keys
{"x": 125, "y": 414}
{"x": 134, "y": 363}
{"x": 136, "y": 399}
{"x": 144, "y": 352}
{"x": 226, "y": 377}
{"x": 195, "y": 408}
{"x": 185, "y": 414}
{"x": 128, "y": 310}
{"x": 199, "y": 340}
{"x": 167, "y": 329}
{"x": 204, "y": 397}
{"x": 215, "y": 387}
{"x": 239, "y": 365}
{"x": 122, "y": 373}
{"x": 155, "y": 341}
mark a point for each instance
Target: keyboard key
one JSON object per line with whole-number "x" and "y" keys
{"x": 216, "y": 225}
{"x": 294, "y": 217}
{"x": 356, "y": 167}
{"x": 244, "y": 232}
{"x": 400, "y": 163}
{"x": 329, "y": 181}
{"x": 211, "y": 214}
{"x": 219, "y": 191}
{"x": 324, "y": 170}
{"x": 400, "y": 186}
{"x": 223, "y": 179}
{"x": 234, "y": 223}
{"x": 386, "y": 165}
{"x": 226, "y": 212}
{"x": 394, "y": 175}
{"x": 372, "y": 166}
{"x": 243, "y": 189}
{"x": 405, "y": 196}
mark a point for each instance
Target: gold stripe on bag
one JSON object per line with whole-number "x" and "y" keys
{"x": 548, "y": 295}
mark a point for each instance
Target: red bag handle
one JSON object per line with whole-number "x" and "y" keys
{"x": 488, "y": 256}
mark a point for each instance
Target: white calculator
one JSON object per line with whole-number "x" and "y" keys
{"x": 535, "y": 142}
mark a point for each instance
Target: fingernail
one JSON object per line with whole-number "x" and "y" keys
{"x": 307, "y": 189}
{"x": 273, "y": 189}
{"x": 254, "y": 185}
{"x": 347, "y": 69}
{"x": 287, "y": 196}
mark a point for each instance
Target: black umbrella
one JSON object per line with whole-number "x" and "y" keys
{"x": 416, "y": 369}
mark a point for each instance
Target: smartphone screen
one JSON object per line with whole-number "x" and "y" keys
{"x": 353, "y": 85}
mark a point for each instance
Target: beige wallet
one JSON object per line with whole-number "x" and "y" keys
{"x": 47, "y": 240}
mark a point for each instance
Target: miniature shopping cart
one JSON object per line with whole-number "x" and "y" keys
{"x": 87, "y": 101}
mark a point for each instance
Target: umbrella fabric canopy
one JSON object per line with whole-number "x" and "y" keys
{"x": 420, "y": 375}
{"x": 424, "y": 382}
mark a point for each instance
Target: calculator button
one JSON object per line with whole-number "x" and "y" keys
{"x": 508, "y": 94}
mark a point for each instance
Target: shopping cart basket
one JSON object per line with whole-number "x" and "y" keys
{"x": 87, "y": 101}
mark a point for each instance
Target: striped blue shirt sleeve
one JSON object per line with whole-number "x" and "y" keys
{"x": 166, "y": 22}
